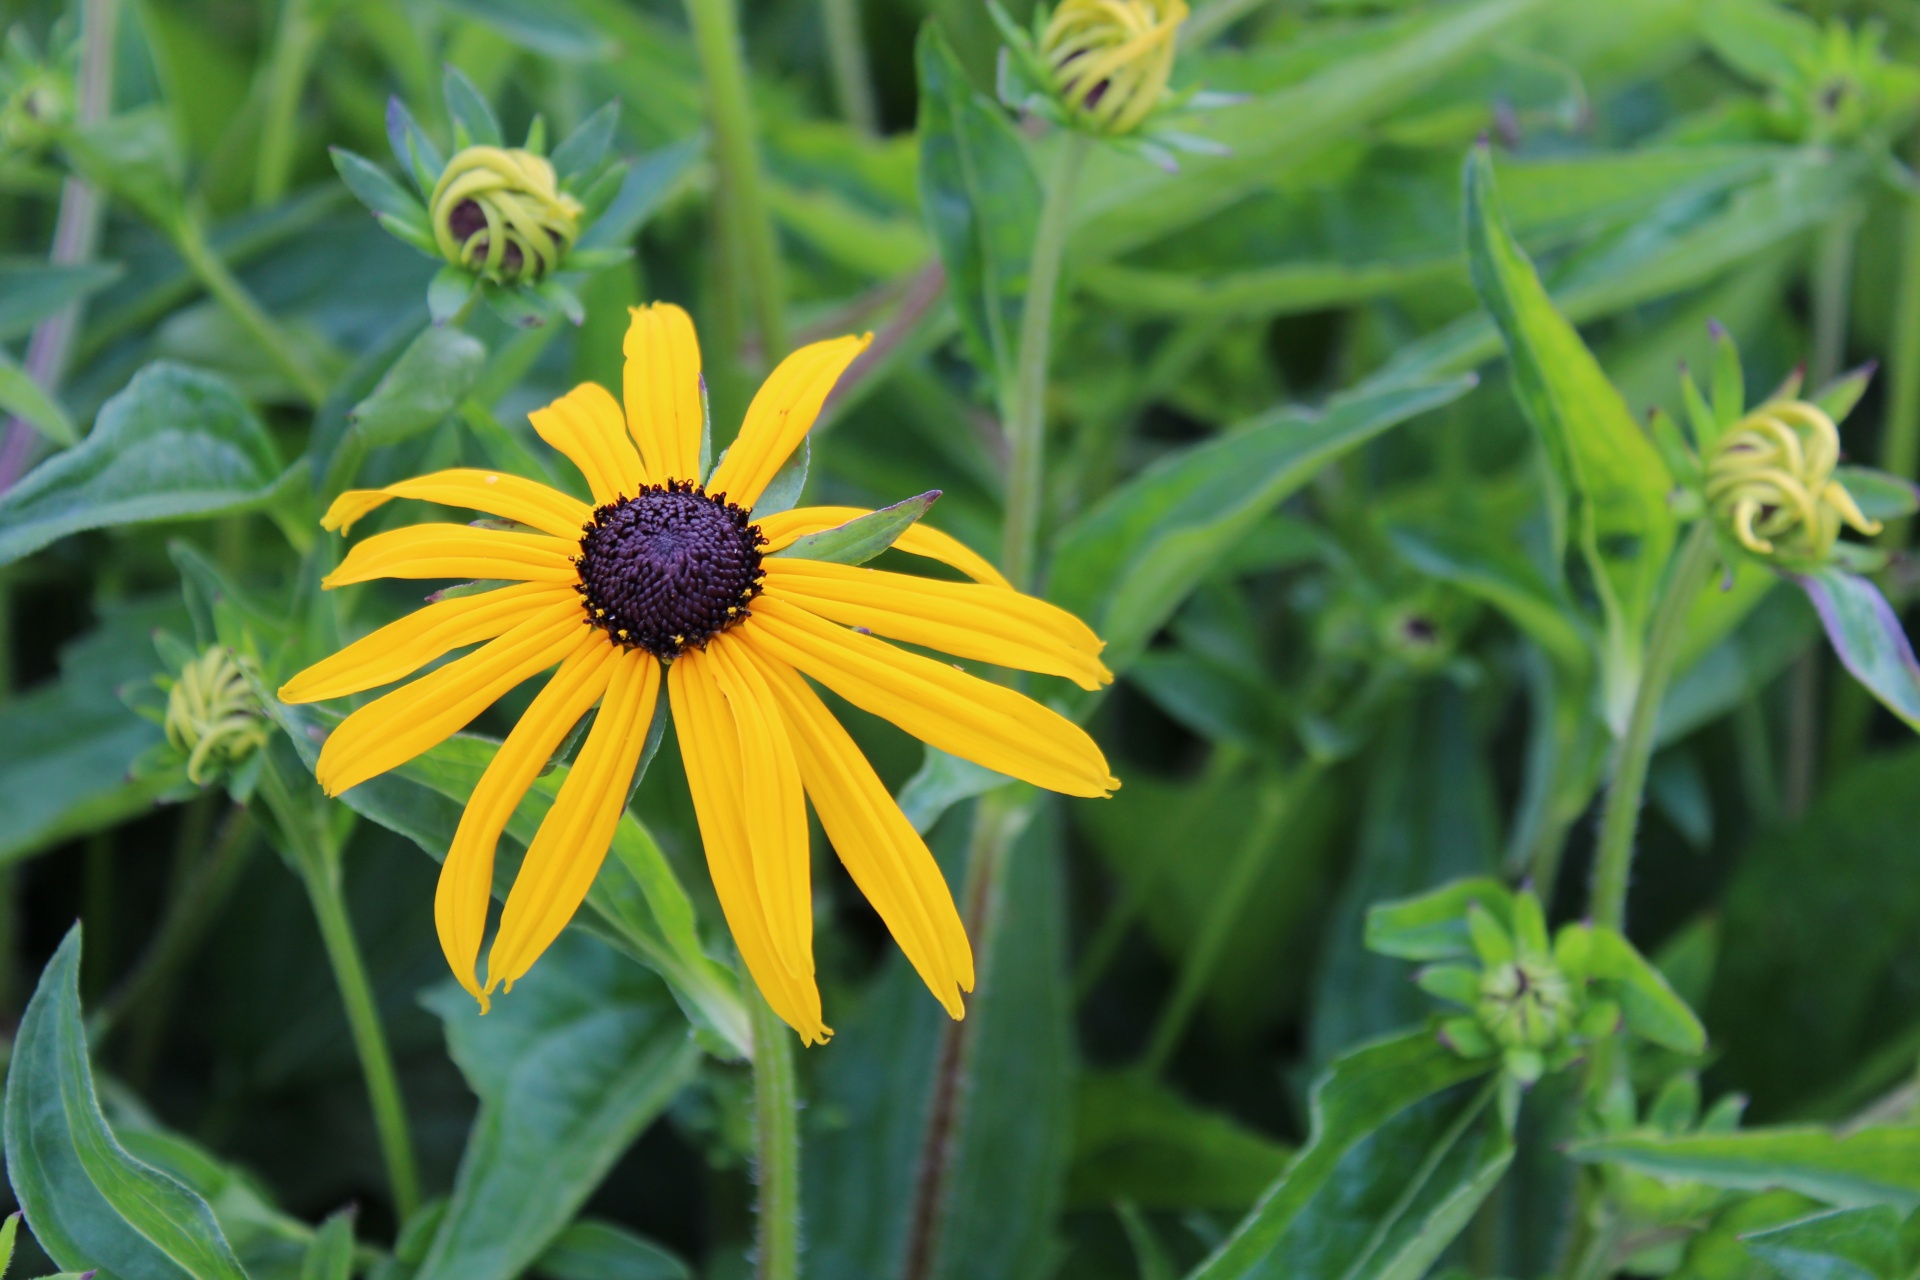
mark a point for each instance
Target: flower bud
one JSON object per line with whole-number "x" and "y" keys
{"x": 500, "y": 213}
{"x": 1525, "y": 1003}
{"x": 1770, "y": 484}
{"x": 1110, "y": 59}
{"x": 212, "y": 715}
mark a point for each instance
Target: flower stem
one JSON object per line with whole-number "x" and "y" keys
{"x": 283, "y": 77}
{"x": 190, "y": 240}
{"x": 847, "y": 56}
{"x": 1900, "y": 452}
{"x": 317, "y": 857}
{"x": 746, "y": 226}
{"x": 1026, "y": 402}
{"x": 776, "y": 1124}
{"x": 1613, "y": 858}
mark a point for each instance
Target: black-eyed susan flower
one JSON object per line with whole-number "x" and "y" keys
{"x": 670, "y": 579}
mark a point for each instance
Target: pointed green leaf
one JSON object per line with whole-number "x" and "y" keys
{"x": 862, "y": 538}
{"x": 472, "y": 117}
{"x": 1868, "y": 637}
{"x": 590, "y": 1250}
{"x": 1846, "y": 1244}
{"x": 412, "y": 148}
{"x": 330, "y": 1256}
{"x": 783, "y": 491}
{"x": 1651, "y": 1007}
{"x": 1433, "y": 925}
{"x": 375, "y": 188}
{"x": 27, "y": 400}
{"x": 584, "y": 148}
{"x": 31, "y": 289}
{"x": 1872, "y": 1166}
{"x": 1879, "y": 495}
{"x": 424, "y": 385}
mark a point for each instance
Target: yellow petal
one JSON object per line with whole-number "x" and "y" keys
{"x": 988, "y": 724}
{"x": 780, "y": 416}
{"x": 776, "y": 810}
{"x": 394, "y": 728}
{"x": 401, "y": 648}
{"x": 586, "y": 425}
{"x": 665, "y": 407}
{"x": 508, "y": 496}
{"x": 966, "y": 619}
{"x": 784, "y": 527}
{"x": 882, "y": 852}
{"x": 572, "y": 841}
{"x": 466, "y": 878}
{"x": 710, "y": 748}
{"x": 457, "y": 551}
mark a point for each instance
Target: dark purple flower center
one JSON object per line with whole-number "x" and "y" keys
{"x": 672, "y": 566}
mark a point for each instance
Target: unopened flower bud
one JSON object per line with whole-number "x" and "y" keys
{"x": 500, "y": 213}
{"x": 212, "y": 715}
{"x": 1110, "y": 60}
{"x": 1525, "y": 1003}
{"x": 1770, "y": 484}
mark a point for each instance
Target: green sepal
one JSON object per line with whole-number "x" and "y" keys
{"x": 1650, "y": 1007}
{"x": 1490, "y": 942}
{"x": 1600, "y": 1019}
{"x": 1675, "y": 1108}
{"x": 1838, "y": 397}
{"x": 1525, "y": 1065}
{"x": 1729, "y": 382}
{"x": 1455, "y": 982}
{"x": 1700, "y": 416}
{"x": 1667, "y": 438}
{"x": 1573, "y": 952}
{"x": 1465, "y": 1037}
{"x": 1433, "y": 925}
{"x": 1529, "y": 925}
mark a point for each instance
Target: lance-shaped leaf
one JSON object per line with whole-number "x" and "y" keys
{"x": 1873, "y": 1166}
{"x": 1867, "y": 635}
{"x": 1846, "y": 1244}
{"x": 91, "y": 1204}
{"x": 862, "y": 538}
{"x": 1609, "y": 475}
{"x": 32, "y": 289}
{"x": 1433, "y": 925}
{"x": 424, "y": 385}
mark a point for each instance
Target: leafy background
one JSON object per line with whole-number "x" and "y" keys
{"x": 1322, "y": 552}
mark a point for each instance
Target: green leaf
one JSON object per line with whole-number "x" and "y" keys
{"x": 1502, "y": 575}
{"x": 31, "y": 289}
{"x": 1869, "y": 1167}
{"x": 542, "y": 26}
{"x": 590, "y": 1250}
{"x": 1126, "y": 565}
{"x": 1434, "y": 925}
{"x": 1879, "y": 495}
{"x": 1136, "y": 1140}
{"x": 1867, "y": 636}
{"x": 1403, "y": 1149}
{"x": 8, "y": 1233}
{"x": 137, "y": 156}
{"x": 330, "y": 1256}
{"x": 783, "y": 491}
{"x": 863, "y": 537}
{"x": 1608, "y": 472}
{"x": 373, "y": 187}
{"x": 1650, "y": 1006}
{"x": 448, "y": 292}
{"x": 474, "y": 123}
{"x": 414, "y": 151}
{"x": 175, "y": 444}
{"x": 941, "y": 782}
{"x": 586, "y": 147}
{"x": 1846, "y": 1244}
{"x": 92, "y": 1204}
{"x": 424, "y": 385}
{"x": 981, "y": 202}
{"x": 646, "y": 186}
{"x": 570, "y": 1068}
{"x": 26, "y": 399}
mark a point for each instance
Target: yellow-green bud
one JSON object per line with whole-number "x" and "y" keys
{"x": 500, "y": 213}
{"x": 1770, "y": 484}
{"x": 1110, "y": 59}
{"x": 212, "y": 715}
{"x": 1525, "y": 1003}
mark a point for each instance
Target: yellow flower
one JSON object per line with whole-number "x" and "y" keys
{"x": 1770, "y": 483}
{"x": 664, "y": 582}
{"x": 500, "y": 213}
{"x": 1110, "y": 59}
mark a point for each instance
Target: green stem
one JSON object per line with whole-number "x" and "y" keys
{"x": 1026, "y": 407}
{"x": 1196, "y": 969}
{"x": 744, "y": 218}
{"x": 847, "y": 56}
{"x": 1613, "y": 858}
{"x": 191, "y": 241}
{"x": 776, "y": 1111}
{"x": 1900, "y": 453}
{"x": 283, "y": 77}
{"x": 318, "y": 861}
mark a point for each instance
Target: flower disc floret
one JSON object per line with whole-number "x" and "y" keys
{"x": 669, "y": 568}
{"x": 500, "y": 213}
{"x": 1770, "y": 483}
{"x": 1110, "y": 60}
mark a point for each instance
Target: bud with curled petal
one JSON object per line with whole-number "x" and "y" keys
{"x": 1770, "y": 483}
{"x": 500, "y": 213}
{"x": 212, "y": 716}
{"x": 1110, "y": 60}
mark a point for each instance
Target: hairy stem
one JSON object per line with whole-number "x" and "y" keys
{"x": 847, "y": 56}
{"x": 1613, "y": 858}
{"x": 1026, "y": 402}
{"x": 190, "y": 239}
{"x": 746, "y": 225}
{"x": 776, "y": 1126}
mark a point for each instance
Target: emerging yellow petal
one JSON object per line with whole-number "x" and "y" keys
{"x": 666, "y": 407}
{"x": 784, "y": 527}
{"x": 508, "y": 496}
{"x": 782, "y": 413}
{"x": 988, "y": 724}
{"x": 587, "y": 426}
{"x": 457, "y": 551}
{"x": 466, "y": 879}
{"x": 572, "y": 842}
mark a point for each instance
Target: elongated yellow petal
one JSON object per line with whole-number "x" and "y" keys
{"x": 572, "y": 842}
{"x": 780, "y": 416}
{"x": 938, "y": 704}
{"x": 394, "y": 728}
{"x": 508, "y": 496}
{"x": 665, "y": 407}
{"x": 776, "y": 811}
{"x": 710, "y": 748}
{"x": 466, "y": 878}
{"x": 403, "y": 647}
{"x": 457, "y": 551}
{"x": 586, "y": 425}
{"x": 783, "y": 527}
{"x": 966, "y": 619}
{"x": 882, "y": 852}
